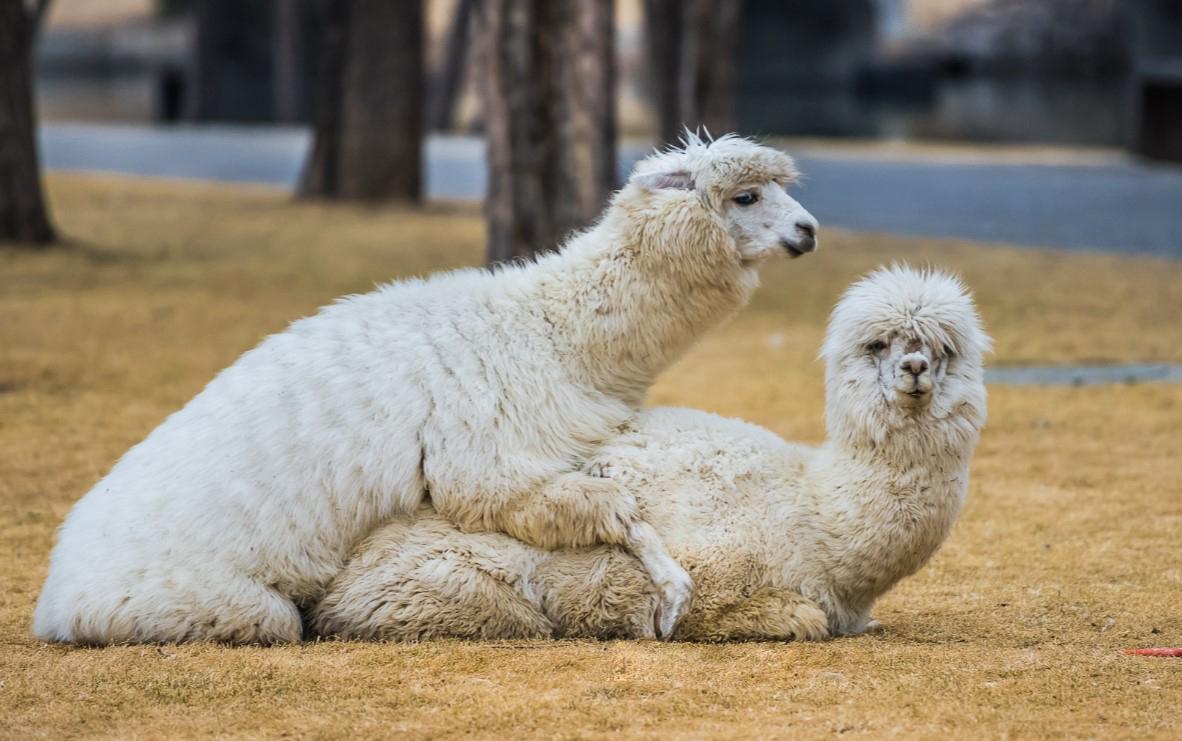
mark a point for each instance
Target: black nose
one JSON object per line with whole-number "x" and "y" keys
{"x": 915, "y": 366}
{"x": 806, "y": 236}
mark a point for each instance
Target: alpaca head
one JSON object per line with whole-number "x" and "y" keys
{"x": 743, "y": 187}
{"x": 904, "y": 346}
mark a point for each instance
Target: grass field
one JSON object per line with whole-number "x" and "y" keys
{"x": 1069, "y": 549}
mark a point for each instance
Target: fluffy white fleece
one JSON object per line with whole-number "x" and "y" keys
{"x": 484, "y": 390}
{"x": 783, "y": 541}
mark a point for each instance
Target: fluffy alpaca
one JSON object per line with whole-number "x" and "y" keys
{"x": 783, "y": 541}
{"x": 485, "y": 390}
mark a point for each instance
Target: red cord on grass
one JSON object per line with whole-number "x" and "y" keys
{"x": 1154, "y": 651}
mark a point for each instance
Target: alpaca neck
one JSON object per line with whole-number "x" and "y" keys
{"x": 907, "y": 486}
{"x": 622, "y": 317}
{"x": 910, "y": 445}
{"x": 943, "y": 434}
{"x": 880, "y": 524}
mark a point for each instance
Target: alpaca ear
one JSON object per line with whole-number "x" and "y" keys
{"x": 665, "y": 181}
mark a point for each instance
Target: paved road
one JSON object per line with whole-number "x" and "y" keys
{"x": 1107, "y": 204}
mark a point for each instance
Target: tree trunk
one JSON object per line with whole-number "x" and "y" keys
{"x": 206, "y": 63}
{"x": 450, "y": 79}
{"x": 234, "y": 60}
{"x": 320, "y": 175}
{"x": 368, "y": 137}
{"x": 663, "y": 21}
{"x": 708, "y": 64}
{"x": 23, "y": 215}
{"x": 549, "y": 107}
{"x": 693, "y": 47}
{"x": 286, "y": 57}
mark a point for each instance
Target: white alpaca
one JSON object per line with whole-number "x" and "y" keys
{"x": 484, "y": 390}
{"x": 783, "y": 541}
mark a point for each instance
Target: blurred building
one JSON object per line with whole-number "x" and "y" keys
{"x": 1155, "y": 86}
{"x": 992, "y": 70}
{"x": 1079, "y": 72}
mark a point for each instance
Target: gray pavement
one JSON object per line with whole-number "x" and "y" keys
{"x": 1106, "y": 204}
{"x": 1083, "y": 375}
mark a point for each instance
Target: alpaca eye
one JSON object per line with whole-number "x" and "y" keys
{"x": 746, "y": 199}
{"x": 876, "y": 347}
{"x": 949, "y": 352}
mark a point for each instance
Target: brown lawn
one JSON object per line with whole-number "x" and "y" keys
{"x": 1069, "y": 550}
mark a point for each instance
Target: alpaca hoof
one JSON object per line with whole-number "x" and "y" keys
{"x": 673, "y": 603}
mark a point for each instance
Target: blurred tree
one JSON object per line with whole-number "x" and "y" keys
{"x": 449, "y": 80}
{"x": 548, "y": 85}
{"x": 252, "y": 61}
{"x": 692, "y": 61}
{"x": 231, "y": 65}
{"x": 287, "y": 59}
{"x": 24, "y": 218}
{"x": 368, "y": 121}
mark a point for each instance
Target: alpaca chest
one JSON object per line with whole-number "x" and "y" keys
{"x": 896, "y": 533}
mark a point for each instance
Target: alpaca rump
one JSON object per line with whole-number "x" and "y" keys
{"x": 783, "y": 541}
{"x": 486, "y": 388}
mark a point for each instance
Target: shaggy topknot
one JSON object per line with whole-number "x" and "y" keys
{"x": 715, "y": 167}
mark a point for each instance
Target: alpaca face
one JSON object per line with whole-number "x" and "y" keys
{"x": 743, "y": 189}
{"x": 765, "y": 221}
{"x": 901, "y": 344}
{"x": 909, "y": 367}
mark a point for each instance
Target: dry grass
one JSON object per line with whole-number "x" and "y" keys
{"x": 1068, "y": 550}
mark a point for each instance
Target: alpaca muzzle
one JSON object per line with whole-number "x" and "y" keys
{"x": 803, "y": 241}
{"x": 913, "y": 379}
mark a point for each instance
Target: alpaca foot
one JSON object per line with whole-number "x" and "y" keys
{"x": 250, "y": 613}
{"x": 675, "y": 595}
{"x": 675, "y": 588}
{"x": 860, "y": 627}
{"x": 273, "y": 619}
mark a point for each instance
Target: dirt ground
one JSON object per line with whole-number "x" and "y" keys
{"x": 1068, "y": 551}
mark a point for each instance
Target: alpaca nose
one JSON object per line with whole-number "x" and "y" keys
{"x": 915, "y": 366}
{"x": 807, "y": 241}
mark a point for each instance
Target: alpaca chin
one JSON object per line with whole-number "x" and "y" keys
{"x": 914, "y": 400}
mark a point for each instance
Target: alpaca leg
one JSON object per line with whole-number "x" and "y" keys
{"x": 445, "y": 596}
{"x": 575, "y": 510}
{"x": 601, "y": 593}
{"x": 571, "y": 510}
{"x": 675, "y": 589}
{"x": 426, "y": 580}
{"x": 240, "y": 611}
{"x": 256, "y": 614}
{"x": 768, "y": 614}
